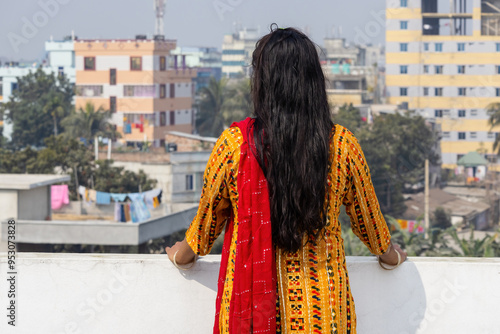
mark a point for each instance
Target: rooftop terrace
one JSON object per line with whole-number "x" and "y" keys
{"x": 80, "y": 293}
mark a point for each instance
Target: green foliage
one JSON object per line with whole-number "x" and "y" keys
{"x": 118, "y": 180}
{"x": 395, "y": 147}
{"x": 89, "y": 123}
{"x": 493, "y": 111}
{"x": 485, "y": 247}
{"x": 441, "y": 219}
{"x": 67, "y": 155}
{"x": 220, "y": 104}
{"x": 37, "y": 107}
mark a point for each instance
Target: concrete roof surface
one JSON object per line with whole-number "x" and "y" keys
{"x": 30, "y": 181}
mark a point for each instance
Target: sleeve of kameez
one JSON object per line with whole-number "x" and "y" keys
{"x": 361, "y": 203}
{"x": 214, "y": 209}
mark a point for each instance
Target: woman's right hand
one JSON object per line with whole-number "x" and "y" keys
{"x": 391, "y": 257}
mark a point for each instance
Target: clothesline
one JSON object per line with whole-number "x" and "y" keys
{"x": 103, "y": 198}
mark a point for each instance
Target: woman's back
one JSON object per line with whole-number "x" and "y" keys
{"x": 313, "y": 286}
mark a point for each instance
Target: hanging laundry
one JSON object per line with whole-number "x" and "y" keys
{"x": 117, "y": 212}
{"x": 81, "y": 191}
{"x": 156, "y": 202}
{"x": 92, "y": 195}
{"x": 119, "y": 197}
{"x": 127, "y": 128}
{"x": 122, "y": 213}
{"x": 59, "y": 196}
{"x": 127, "y": 212}
{"x": 133, "y": 212}
{"x": 103, "y": 198}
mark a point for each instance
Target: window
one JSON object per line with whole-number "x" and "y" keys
{"x": 497, "y": 69}
{"x": 461, "y": 69}
{"x": 426, "y": 46}
{"x": 88, "y": 90}
{"x": 1, "y": 87}
{"x": 112, "y": 76}
{"x": 403, "y": 69}
{"x": 460, "y": 156}
{"x": 426, "y": 91}
{"x": 163, "y": 118}
{"x": 473, "y": 134}
{"x": 461, "y": 47}
{"x": 172, "y": 118}
{"x": 461, "y": 113}
{"x": 438, "y": 47}
{"x": 438, "y": 91}
{"x": 404, "y": 3}
{"x": 438, "y": 113}
{"x": 136, "y": 63}
{"x": 462, "y": 91}
{"x": 139, "y": 91}
{"x": 497, "y": 90}
{"x": 112, "y": 104}
{"x": 403, "y": 91}
{"x": 492, "y": 158}
{"x": 89, "y": 63}
{"x": 189, "y": 182}
{"x": 473, "y": 112}
{"x": 446, "y": 135}
{"x": 438, "y": 69}
{"x": 13, "y": 86}
{"x": 163, "y": 91}
{"x": 403, "y": 25}
{"x": 461, "y": 136}
{"x": 60, "y": 71}
{"x": 163, "y": 63}
{"x": 172, "y": 90}
{"x": 491, "y": 135}
{"x": 403, "y": 47}
{"x": 426, "y": 68}
{"x": 498, "y": 47}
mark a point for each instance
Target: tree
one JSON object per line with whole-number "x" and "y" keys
{"x": 212, "y": 99}
{"x": 441, "y": 219}
{"x": 118, "y": 180}
{"x": 37, "y": 106}
{"x": 395, "y": 147}
{"x": 88, "y": 123}
{"x": 493, "y": 111}
{"x": 239, "y": 103}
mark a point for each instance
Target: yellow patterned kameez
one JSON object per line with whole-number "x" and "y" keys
{"x": 313, "y": 287}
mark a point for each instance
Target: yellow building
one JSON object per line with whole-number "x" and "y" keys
{"x": 443, "y": 59}
{"x": 148, "y": 91}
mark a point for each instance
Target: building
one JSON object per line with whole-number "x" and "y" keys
{"x": 206, "y": 60}
{"x": 442, "y": 60}
{"x": 237, "y": 52}
{"x": 352, "y": 72}
{"x": 148, "y": 90}
{"x": 59, "y": 59}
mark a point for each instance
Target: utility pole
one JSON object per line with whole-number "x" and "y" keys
{"x": 426, "y": 199}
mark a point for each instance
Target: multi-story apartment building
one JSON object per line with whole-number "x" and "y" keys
{"x": 237, "y": 52}
{"x": 206, "y": 60}
{"x": 59, "y": 59}
{"x": 443, "y": 60}
{"x": 148, "y": 90}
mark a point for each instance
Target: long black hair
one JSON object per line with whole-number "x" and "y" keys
{"x": 292, "y": 134}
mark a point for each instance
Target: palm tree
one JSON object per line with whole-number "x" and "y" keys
{"x": 89, "y": 123}
{"x": 210, "y": 121}
{"x": 239, "y": 105}
{"x": 493, "y": 111}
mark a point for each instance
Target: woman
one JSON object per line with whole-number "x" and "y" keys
{"x": 277, "y": 183}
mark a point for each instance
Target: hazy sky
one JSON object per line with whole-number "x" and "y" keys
{"x": 25, "y": 25}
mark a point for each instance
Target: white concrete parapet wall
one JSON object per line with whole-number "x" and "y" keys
{"x": 83, "y": 293}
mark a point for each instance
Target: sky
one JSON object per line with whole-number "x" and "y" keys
{"x": 25, "y": 25}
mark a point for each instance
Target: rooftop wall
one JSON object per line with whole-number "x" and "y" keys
{"x": 62, "y": 293}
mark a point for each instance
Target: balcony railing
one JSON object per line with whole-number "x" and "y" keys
{"x": 95, "y": 293}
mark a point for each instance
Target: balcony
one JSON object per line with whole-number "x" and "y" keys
{"x": 91, "y": 293}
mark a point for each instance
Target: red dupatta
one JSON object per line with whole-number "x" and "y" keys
{"x": 253, "y": 299}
